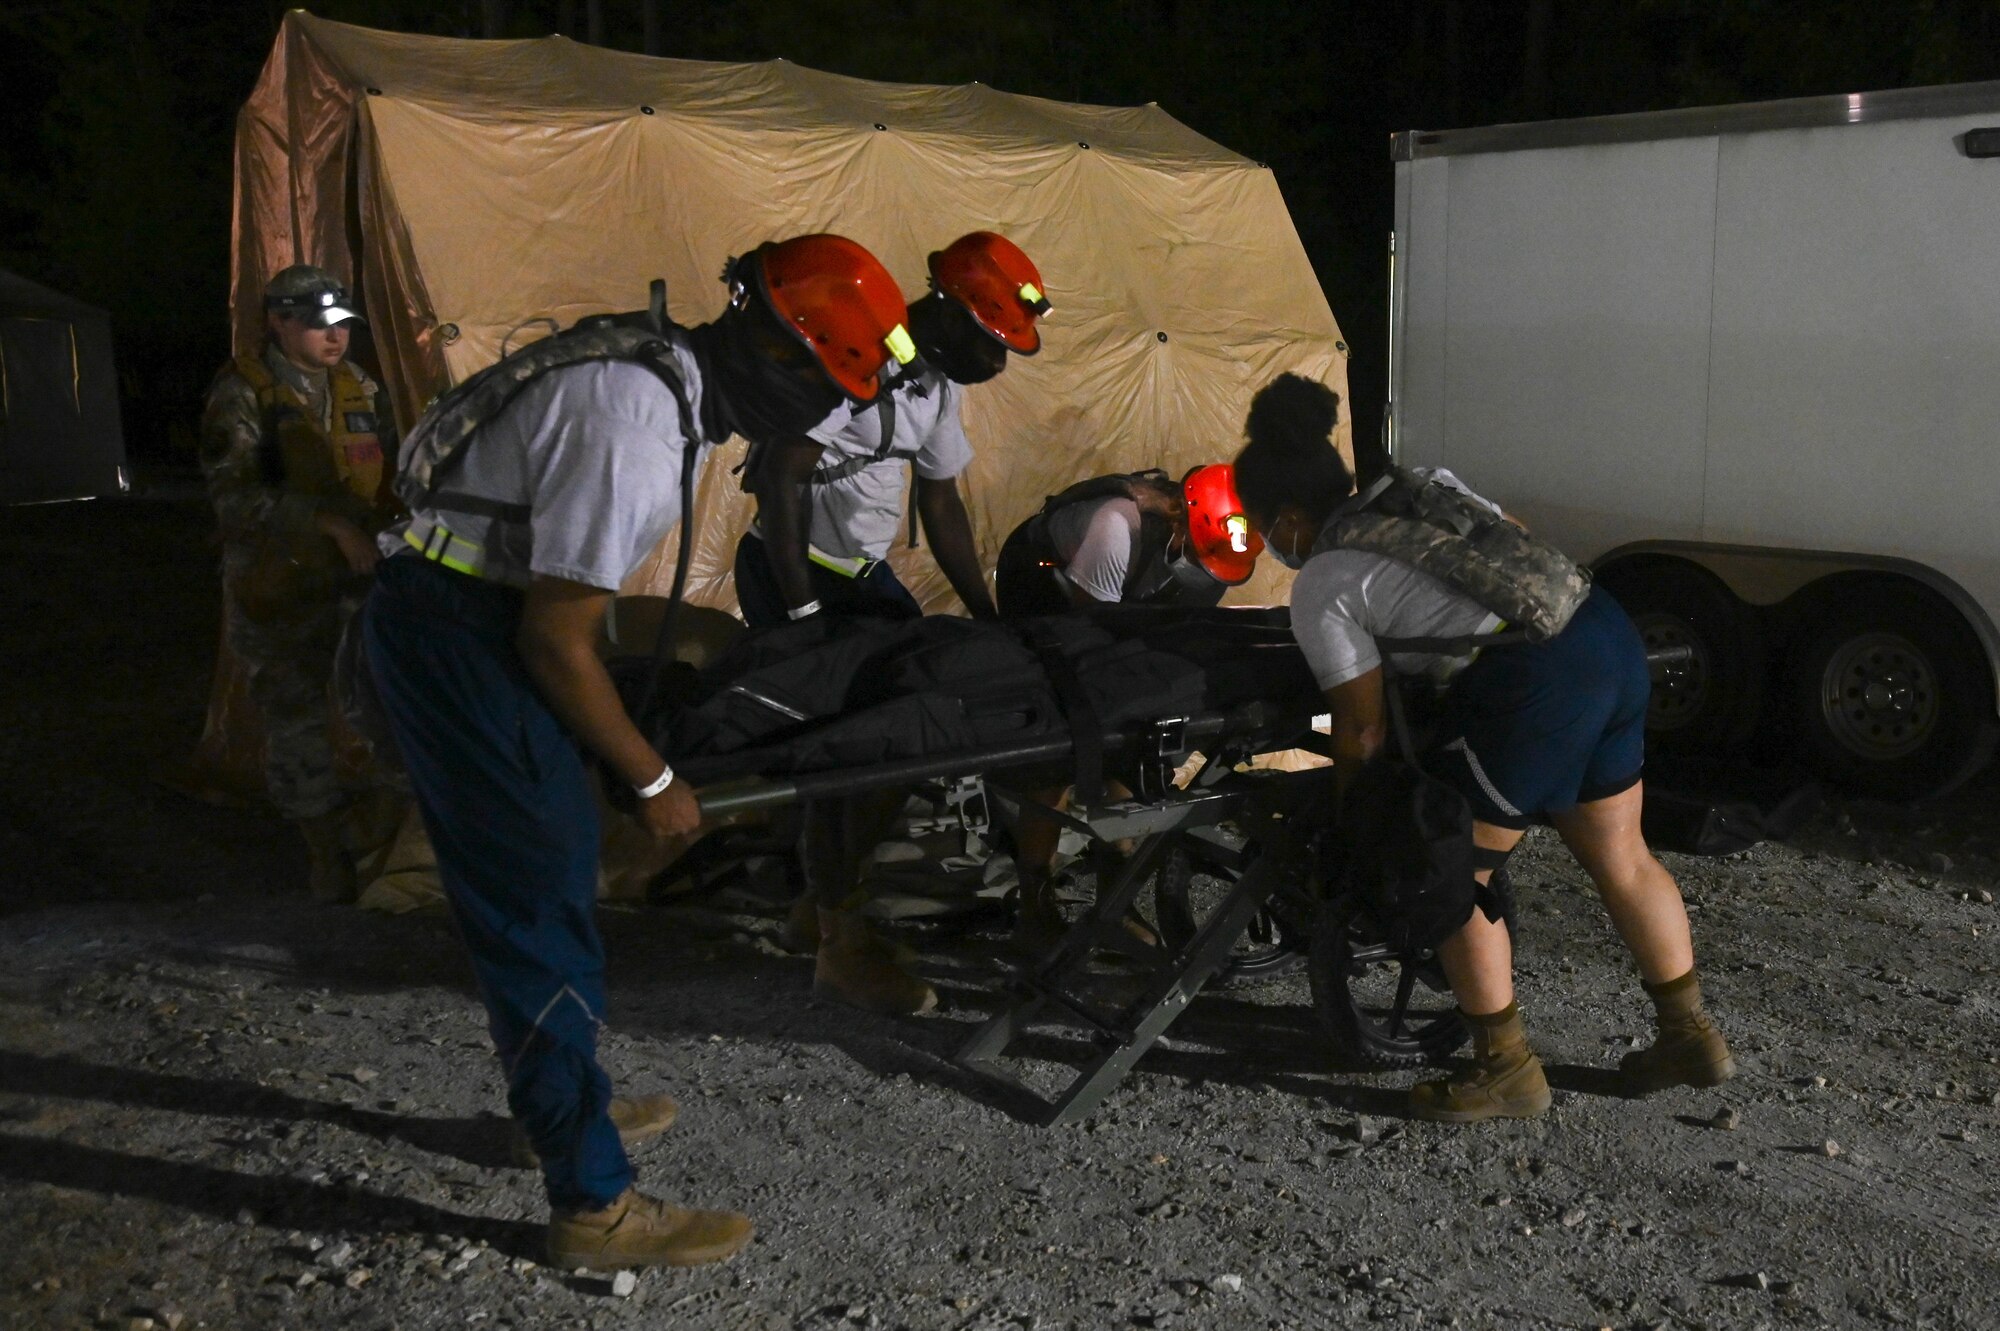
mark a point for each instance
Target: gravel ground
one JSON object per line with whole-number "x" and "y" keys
{"x": 223, "y": 1105}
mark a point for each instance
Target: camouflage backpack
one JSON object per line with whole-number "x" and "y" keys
{"x": 436, "y": 443}
{"x": 1429, "y": 525}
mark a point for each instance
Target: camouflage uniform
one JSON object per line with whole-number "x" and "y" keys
{"x": 279, "y": 445}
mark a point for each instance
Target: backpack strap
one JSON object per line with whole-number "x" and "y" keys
{"x": 1456, "y": 646}
{"x": 461, "y": 501}
{"x": 664, "y": 650}
{"x": 885, "y": 413}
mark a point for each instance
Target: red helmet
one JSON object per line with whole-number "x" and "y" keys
{"x": 1219, "y": 535}
{"x": 998, "y": 285}
{"x": 840, "y": 301}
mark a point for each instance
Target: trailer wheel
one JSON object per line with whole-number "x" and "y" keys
{"x": 1708, "y": 703}
{"x": 1891, "y": 695}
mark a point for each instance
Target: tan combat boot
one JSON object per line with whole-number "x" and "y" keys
{"x": 638, "y": 1118}
{"x": 637, "y": 1230}
{"x": 1506, "y": 1079}
{"x": 1688, "y": 1051}
{"x": 330, "y": 872}
{"x": 800, "y": 932}
{"x": 857, "y": 968}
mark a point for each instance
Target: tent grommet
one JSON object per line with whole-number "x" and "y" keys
{"x": 1162, "y": 335}
{"x": 374, "y": 92}
{"x": 449, "y": 332}
{"x": 1081, "y": 144}
{"x": 645, "y": 110}
{"x": 880, "y": 125}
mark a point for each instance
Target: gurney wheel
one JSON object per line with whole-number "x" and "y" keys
{"x": 1382, "y": 1009}
{"x": 1271, "y": 946}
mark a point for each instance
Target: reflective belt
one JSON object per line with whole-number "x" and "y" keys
{"x": 858, "y": 566}
{"x": 846, "y": 568}
{"x": 439, "y": 544}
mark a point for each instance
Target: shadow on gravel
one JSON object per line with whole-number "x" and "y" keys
{"x": 1582, "y": 1079}
{"x": 481, "y": 1141}
{"x": 280, "y": 1203}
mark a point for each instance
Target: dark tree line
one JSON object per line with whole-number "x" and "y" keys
{"x": 115, "y": 153}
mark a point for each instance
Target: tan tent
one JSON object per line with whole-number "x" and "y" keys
{"x": 475, "y": 186}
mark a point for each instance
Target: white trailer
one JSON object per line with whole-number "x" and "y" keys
{"x": 1746, "y": 361}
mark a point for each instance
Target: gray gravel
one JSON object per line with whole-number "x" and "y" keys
{"x": 224, "y": 1106}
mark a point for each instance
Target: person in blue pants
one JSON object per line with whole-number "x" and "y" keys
{"x": 481, "y": 635}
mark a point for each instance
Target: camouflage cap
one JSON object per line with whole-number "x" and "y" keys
{"x": 313, "y": 296}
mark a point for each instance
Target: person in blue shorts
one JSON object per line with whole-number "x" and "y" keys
{"x": 1551, "y": 731}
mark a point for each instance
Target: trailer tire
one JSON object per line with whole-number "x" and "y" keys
{"x": 1890, "y": 693}
{"x": 1709, "y": 704}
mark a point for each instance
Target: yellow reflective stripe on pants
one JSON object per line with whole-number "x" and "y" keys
{"x": 453, "y": 551}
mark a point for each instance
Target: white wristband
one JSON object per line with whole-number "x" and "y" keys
{"x": 810, "y": 608}
{"x": 660, "y": 783}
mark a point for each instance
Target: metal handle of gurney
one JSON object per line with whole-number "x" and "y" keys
{"x": 751, "y": 794}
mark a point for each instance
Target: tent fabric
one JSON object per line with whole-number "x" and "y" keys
{"x": 60, "y": 434}
{"x": 472, "y": 187}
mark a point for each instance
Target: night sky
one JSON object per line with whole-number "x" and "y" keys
{"x": 115, "y": 150}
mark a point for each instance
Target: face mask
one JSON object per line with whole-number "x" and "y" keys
{"x": 954, "y": 343}
{"x": 759, "y": 395}
{"x": 1288, "y": 558}
{"x": 1190, "y": 574}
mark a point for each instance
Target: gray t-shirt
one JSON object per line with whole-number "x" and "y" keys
{"x": 594, "y": 451}
{"x": 1094, "y": 540}
{"x": 1342, "y": 600}
{"x": 857, "y": 516}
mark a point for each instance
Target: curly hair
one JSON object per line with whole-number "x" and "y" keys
{"x": 1290, "y": 458}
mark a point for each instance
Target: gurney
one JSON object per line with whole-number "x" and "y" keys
{"x": 1246, "y": 837}
{"x": 1258, "y": 842}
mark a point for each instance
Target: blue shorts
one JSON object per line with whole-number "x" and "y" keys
{"x": 1536, "y": 728}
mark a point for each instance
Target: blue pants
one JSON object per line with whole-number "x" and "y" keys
{"x": 762, "y": 603}
{"x": 510, "y": 814}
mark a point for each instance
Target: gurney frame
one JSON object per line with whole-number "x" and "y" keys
{"x": 1263, "y": 806}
